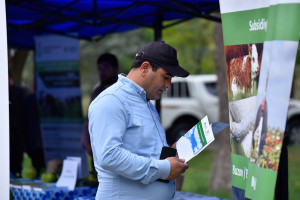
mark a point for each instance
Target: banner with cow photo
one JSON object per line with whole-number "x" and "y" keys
{"x": 59, "y": 97}
{"x": 260, "y": 43}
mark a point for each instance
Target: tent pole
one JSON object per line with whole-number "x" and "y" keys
{"x": 4, "y": 106}
{"x": 157, "y": 37}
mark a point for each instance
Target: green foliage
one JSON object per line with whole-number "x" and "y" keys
{"x": 123, "y": 45}
{"x": 194, "y": 43}
{"x": 193, "y": 40}
{"x": 271, "y": 149}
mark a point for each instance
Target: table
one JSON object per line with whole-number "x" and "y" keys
{"x": 192, "y": 196}
{"x": 23, "y": 189}
{"x": 178, "y": 196}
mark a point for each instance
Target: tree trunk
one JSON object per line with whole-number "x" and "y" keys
{"x": 221, "y": 170}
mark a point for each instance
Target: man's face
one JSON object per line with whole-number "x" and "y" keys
{"x": 106, "y": 71}
{"x": 157, "y": 83}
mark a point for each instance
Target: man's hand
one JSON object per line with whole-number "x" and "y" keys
{"x": 174, "y": 145}
{"x": 177, "y": 167}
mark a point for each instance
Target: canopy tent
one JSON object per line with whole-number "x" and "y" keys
{"x": 94, "y": 19}
{"x": 86, "y": 19}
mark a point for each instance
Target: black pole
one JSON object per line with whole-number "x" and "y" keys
{"x": 157, "y": 37}
{"x": 158, "y": 26}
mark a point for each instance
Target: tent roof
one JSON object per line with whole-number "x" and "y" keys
{"x": 93, "y": 19}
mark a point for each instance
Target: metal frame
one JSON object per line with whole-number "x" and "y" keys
{"x": 54, "y": 14}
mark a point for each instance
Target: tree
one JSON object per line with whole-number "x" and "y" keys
{"x": 194, "y": 43}
{"x": 124, "y": 45}
{"x": 221, "y": 171}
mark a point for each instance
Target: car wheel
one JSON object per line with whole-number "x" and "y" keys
{"x": 293, "y": 130}
{"x": 177, "y": 131}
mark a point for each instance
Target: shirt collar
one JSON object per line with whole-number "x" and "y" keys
{"x": 138, "y": 89}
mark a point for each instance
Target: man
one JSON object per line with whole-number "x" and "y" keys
{"x": 108, "y": 67}
{"x": 126, "y": 134}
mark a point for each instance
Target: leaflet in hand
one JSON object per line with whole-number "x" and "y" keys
{"x": 195, "y": 140}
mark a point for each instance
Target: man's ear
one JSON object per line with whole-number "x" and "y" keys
{"x": 145, "y": 67}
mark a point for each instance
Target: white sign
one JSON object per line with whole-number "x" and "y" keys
{"x": 68, "y": 175}
{"x": 79, "y": 169}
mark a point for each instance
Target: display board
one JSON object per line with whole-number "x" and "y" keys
{"x": 260, "y": 43}
{"x": 59, "y": 97}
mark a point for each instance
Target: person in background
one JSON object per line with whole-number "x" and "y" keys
{"x": 126, "y": 134}
{"x": 16, "y": 136}
{"x": 108, "y": 68}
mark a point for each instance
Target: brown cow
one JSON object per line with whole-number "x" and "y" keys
{"x": 233, "y": 51}
{"x": 242, "y": 67}
{"x": 240, "y": 75}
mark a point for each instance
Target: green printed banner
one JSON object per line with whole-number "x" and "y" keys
{"x": 239, "y": 170}
{"x": 260, "y": 37}
{"x": 245, "y": 27}
{"x": 60, "y": 65}
{"x": 59, "y": 97}
{"x": 251, "y": 26}
{"x": 262, "y": 183}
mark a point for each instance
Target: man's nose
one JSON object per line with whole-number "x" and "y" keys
{"x": 168, "y": 83}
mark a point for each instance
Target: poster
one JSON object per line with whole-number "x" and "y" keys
{"x": 260, "y": 43}
{"x": 59, "y": 97}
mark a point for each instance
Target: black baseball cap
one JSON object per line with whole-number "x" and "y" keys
{"x": 162, "y": 54}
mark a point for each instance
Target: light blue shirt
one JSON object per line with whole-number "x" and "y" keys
{"x": 127, "y": 138}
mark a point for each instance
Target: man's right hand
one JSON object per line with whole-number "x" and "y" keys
{"x": 177, "y": 167}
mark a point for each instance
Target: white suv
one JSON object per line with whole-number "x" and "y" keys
{"x": 187, "y": 102}
{"x": 195, "y": 96}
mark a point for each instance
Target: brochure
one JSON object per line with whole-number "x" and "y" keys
{"x": 198, "y": 138}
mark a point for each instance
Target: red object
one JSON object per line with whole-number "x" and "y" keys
{"x": 263, "y": 104}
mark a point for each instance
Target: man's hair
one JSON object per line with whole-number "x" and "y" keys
{"x": 108, "y": 57}
{"x": 154, "y": 66}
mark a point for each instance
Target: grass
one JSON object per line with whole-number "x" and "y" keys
{"x": 197, "y": 177}
{"x": 294, "y": 172}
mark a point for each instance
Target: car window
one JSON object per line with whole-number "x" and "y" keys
{"x": 178, "y": 90}
{"x": 212, "y": 88}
